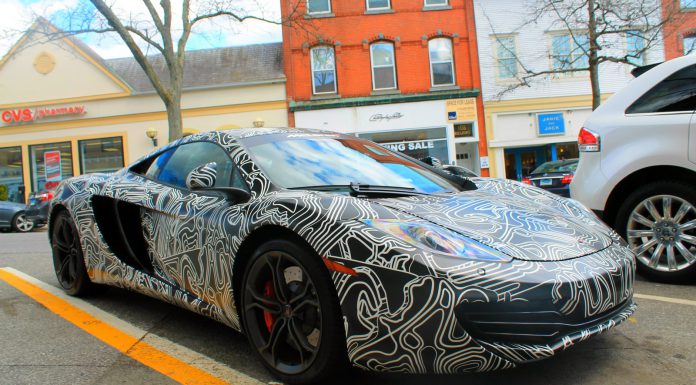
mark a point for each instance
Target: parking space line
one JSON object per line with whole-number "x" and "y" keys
{"x": 678, "y": 301}
{"x": 178, "y": 363}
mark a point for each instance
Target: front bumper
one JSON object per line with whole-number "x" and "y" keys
{"x": 480, "y": 316}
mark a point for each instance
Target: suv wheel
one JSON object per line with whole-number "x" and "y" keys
{"x": 659, "y": 222}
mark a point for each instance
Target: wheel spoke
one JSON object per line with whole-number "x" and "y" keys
{"x": 645, "y": 246}
{"x": 667, "y": 207}
{"x": 280, "y": 286}
{"x": 275, "y": 337}
{"x": 307, "y": 301}
{"x": 690, "y": 225}
{"x": 671, "y": 260}
{"x": 300, "y": 339}
{"x": 264, "y": 303}
{"x": 689, "y": 238}
{"x": 640, "y": 233}
{"x": 657, "y": 253}
{"x": 652, "y": 210}
{"x": 63, "y": 265}
{"x": 642, "y": 220}
{"x": 689, "y": 256}
{"x": 683, "y": 210}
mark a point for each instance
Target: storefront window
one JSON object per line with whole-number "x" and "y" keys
{"x": 567, "y": 151}
{"x": 417, "y": 144}
{"x": 50, "y": 163}
{"x": 101, "y": 155}
{"x": 11, "y": 174}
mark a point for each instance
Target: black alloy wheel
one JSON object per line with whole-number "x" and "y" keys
{"x": 68, "y": 261}
{"x": 291, "y": 313}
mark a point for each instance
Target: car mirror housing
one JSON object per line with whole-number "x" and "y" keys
{"x": 202, "y": 177}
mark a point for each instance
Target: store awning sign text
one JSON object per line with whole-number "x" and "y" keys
{"x": 38, "y": 113}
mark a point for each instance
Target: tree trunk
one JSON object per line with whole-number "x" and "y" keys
{"x": 175, "y": 119}
{"x": 592, "y": 55}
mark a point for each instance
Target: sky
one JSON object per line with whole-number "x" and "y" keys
{"x": 17, "y": 15}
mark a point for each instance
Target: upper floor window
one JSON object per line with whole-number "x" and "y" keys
{"x": 687, "y": 4}
{"x": 506, "y": 55}
{"x": 378, "y": 5}
{"x": 568, "y": 52}
{"x": 635, "y": 47}
{"x": 690, "y": 45}
{"x": 436, "y": 3}
{"x": 441, "y": 62}
{"x": 383, "y": 66}
{"x": 323, "y": 70}
{"x": 318, "y": 6}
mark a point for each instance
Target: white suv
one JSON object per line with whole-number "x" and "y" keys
{"x": 638, "y": 168}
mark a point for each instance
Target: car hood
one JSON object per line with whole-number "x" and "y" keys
{"x": 523, "y": 222}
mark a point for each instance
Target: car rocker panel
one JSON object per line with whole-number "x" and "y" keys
{"x": 406, "y": 308}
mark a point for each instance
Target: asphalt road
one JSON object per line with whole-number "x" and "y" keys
{"x": 656, "y": 346}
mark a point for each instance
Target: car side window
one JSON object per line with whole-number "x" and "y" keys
{"x": 173, "y": 166}
{"x": 677, "y": 93}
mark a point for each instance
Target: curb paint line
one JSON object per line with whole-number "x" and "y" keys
{"x": 678, "y": 301}
{"x": 179, "y": 363}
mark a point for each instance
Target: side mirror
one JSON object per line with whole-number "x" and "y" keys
{"x": 202, "y": 177}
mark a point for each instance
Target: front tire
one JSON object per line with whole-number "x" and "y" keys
{"x": 21, "y": 224}
{"x": 291, "y": 314}
{"x": 68, "y": 260}
{"x": 659, "y": 222}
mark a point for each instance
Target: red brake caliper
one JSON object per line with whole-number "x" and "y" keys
{"x": 267, "y": 316}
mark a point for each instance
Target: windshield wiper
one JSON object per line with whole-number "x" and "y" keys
{"x": 361, "y": 189}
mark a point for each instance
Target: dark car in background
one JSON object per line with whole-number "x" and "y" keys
{"x": 554, "y": 176}
{"x": 37, "y": 209}
{"x": 13, "y": 217}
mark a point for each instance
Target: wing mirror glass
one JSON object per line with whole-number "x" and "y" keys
{"x": 202, "y": 177}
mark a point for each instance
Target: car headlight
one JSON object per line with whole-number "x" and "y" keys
{"x": 437, "y": 239}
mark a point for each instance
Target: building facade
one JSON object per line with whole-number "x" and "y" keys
{"x": 65, "y": 111}
{"x": 401, "y": 73}
{"x": 680, "y": 31}
{"x": 530, "y": 125}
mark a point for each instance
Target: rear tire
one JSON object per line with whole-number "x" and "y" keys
{"x": 21, "y": 224}
{"x": 68, "y": 260}
{"x": 658, "y": 221}
{"x": 291, "y": 314}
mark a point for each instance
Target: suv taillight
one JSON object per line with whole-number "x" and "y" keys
{"x": 588, "y": 141}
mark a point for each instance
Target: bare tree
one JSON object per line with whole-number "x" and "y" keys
{"x": 590, "y": 33}
{"x": 165, "y": 30}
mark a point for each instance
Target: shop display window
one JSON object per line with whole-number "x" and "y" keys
{"x": 101, "y": 155}
{"x": 417, "y": 144}
{"x": 11, "y": 174}
{"x": 50, "y": 163}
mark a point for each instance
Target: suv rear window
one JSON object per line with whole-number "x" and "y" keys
{"x": 675, "y": 94}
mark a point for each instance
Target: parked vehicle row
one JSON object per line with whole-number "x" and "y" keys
{"x": 24, "y": 218}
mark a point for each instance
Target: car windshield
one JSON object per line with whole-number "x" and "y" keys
{"x": 298, "y": 161}
{"x": 569, "y": 165}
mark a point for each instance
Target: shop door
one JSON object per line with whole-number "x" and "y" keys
{"x": 520, "y": 162}
{"x": 467, "y": 156}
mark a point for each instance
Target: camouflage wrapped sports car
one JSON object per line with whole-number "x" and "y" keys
{"x": 326, "y": 249}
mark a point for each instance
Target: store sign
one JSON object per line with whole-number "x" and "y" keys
{"x": 410, "y": 146}
{"x": 387, "y": 117}
{"x": 485, "y": 163}
{"x": 463, "y": 131}
{"x": 52, "y": 166}
{"x": 30, "y": 115}
{"x": 551, "y": 124}
{"x": 461, "y": 110}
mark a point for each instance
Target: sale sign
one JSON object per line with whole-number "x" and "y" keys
{"x": 52, "y": 165}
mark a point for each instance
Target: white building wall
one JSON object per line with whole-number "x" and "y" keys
{"x": 533, "y": 45}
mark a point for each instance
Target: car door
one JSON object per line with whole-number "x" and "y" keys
{"x": 6, "y": 214}
{"x": 189, "y": 233}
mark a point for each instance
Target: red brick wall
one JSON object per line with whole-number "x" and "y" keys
{"x": 351, "y": 31}
{"x": 682, "y": 23}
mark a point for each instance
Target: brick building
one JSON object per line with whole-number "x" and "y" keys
{"x": 402, "y": 73}
{"x": 680, "y": 33}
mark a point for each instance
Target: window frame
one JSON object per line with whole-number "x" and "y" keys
{"x": 313, "y": 70}
{"x": 319, "y": 12}
{"x": 83, "y": 141}
{"x": 426, "y": 5}
{"x": 393, "y": 66}
{"x": 496, "y": 41}
{"x": 690, "y": 7}
{"x": 575, "y": 51}
{"x": 693, "y": 45}
{"x": 369, "y": 9}
{"x": 451, "y": 62}
{"x": 640, "y": 60}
